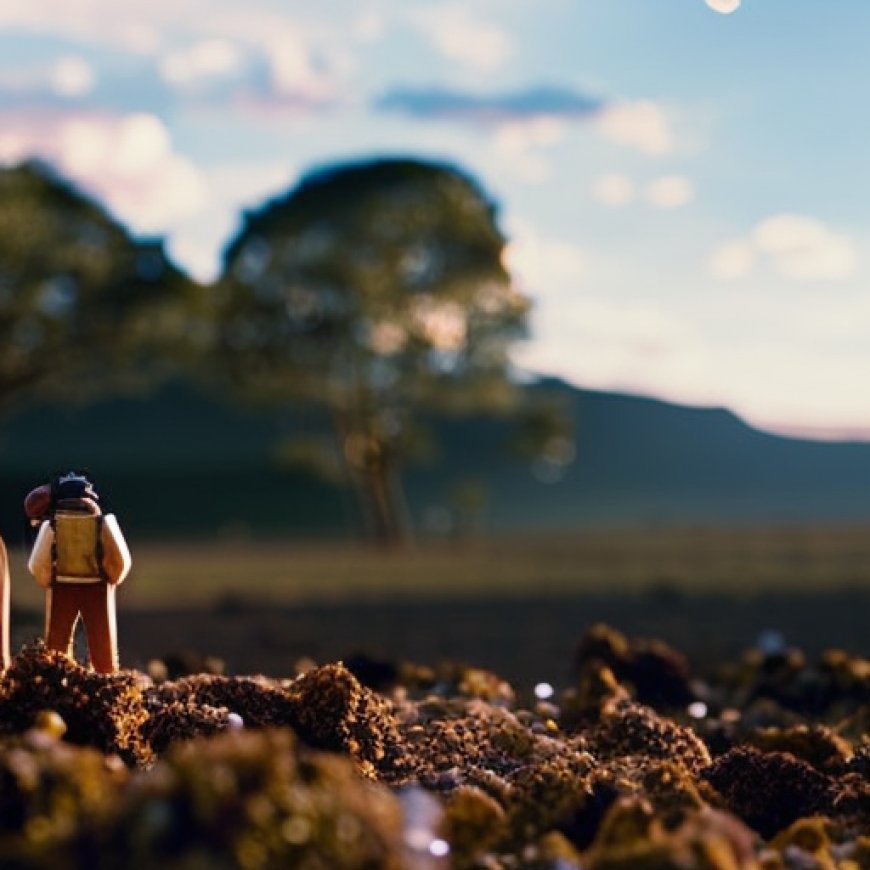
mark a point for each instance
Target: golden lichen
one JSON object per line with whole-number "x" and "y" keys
{"x": 259, "y": 798}
{"x": 57, "y": 800}
{"x": 250, "y": 800}
{"x": 473, "y": 823}
{"x": 632, "y": 837}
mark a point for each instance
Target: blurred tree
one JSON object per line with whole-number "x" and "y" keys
{"x": 546, "y": 434}
{"x": 82, "y": 305}
{"x": 377, "y": 291}
{"x": 469, "y": 498}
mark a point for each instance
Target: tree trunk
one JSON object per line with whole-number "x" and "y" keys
{"x": 386, "y": 511}
{"x": 374, "y": 479}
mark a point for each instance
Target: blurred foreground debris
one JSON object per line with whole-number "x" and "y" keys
{"x": 764, "y": 765}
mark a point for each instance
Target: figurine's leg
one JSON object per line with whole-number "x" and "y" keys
{"x": 98, "y": 610}
{"x": 61, "y": 614}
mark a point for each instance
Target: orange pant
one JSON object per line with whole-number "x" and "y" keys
{"x": 95, "y": 603}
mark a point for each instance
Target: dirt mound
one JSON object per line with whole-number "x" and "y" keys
{"x": 638, "y": 765}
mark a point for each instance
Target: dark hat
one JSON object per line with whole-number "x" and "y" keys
{"x": 72, "y": 486}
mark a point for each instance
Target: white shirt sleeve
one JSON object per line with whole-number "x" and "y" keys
{"x": 39, "y": 563}
{"x": 116, "y": 554}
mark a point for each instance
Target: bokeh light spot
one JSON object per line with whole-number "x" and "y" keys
{"x": 725, "y": 7}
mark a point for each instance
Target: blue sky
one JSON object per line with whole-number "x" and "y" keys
{"x": 685, "y": 191}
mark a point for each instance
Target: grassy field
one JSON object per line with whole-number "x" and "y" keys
{"x": 518, "y": 606}
{"x": 742, "y": 561}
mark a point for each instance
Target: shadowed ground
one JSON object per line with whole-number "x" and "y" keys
{"x": 526, "y": 640}
{"x": 517, "y": 606}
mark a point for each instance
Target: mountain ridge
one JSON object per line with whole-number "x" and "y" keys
{"x": 183, "y": 462}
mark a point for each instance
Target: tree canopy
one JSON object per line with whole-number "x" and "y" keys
{"x": 378, "y": 291}
{"x": 80, "y": 300}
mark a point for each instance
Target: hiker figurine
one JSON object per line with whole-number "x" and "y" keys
{"x": 5, "y": 657}
{"x": 79, "y": 557}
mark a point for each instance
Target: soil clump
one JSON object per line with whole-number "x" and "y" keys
{"x": 764, "y": 764}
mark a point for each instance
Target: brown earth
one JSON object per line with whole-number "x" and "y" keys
{"x": 637, "y": 765}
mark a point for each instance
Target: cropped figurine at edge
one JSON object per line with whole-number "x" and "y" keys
{"x": 79, "y": 557}
{"x": 4, "y": 607}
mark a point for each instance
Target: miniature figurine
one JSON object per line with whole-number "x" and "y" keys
{"x": 4, "y": 607}
{"x": 79, "y": 557}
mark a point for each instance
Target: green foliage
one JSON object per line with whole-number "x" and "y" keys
{"x": 372, "y": 280}
{"x": 546, "y": 435}
{"x": 545, "y": 429}
{"x": 313, "y": 453}
{"x": 81, "y": 303}
{"x": 377, "y": 291}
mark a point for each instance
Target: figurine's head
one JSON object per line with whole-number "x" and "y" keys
{"x": 75, "y": 493}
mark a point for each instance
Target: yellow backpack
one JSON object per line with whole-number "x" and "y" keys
{"x": 78, "y": 548}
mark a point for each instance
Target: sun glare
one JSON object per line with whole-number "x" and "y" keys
{"x": 726, "y": 7}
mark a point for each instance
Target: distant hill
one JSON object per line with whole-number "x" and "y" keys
{"x": 643, "y": 461}
{"x": 183, "y": 463}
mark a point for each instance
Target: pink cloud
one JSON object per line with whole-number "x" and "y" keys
{"x": 127, "y": 161}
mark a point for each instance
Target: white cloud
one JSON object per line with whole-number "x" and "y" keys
{"x": 460, "y": 36}
{"x": 245, "y": 184}
{"x": 641, "y": 124}
{"x": 613, "y": 189}
{"x": 518, "y": 143}
{"x": 527, "y": 167}
{"x": 124, "y": 147}
{"x": 781, "y": 386}
{"x": 140, "y": 38}
{"x": 617, "y": 345}
{"x": 204, "y": 60}
{"x": 369, "y": 26}
{"x": 541, "y": 264}
{"x": 805, "y": 249}
{"x": 733, "y": 260}
{"x": 306, "y": 60}
{"x": 13, "y": 147}
{"x": 296, "y": 73}
{"x": 799, "y": 371}
{"x": 306, "y": 54}
{"x": 137, "y": 30}
{"x": 196, "y": 244}
{"x": 796, "y": 247}
{"x": 670, "y": 191}
{"x": 799, "y": 376}
{"x": 725, "y": 7}
{"x": 72, "y": 76}
{"x": 647, "y": 329}
{"x": 127, "y": 161}
{"x": 198, "y": 241}
{"x": 538, "y": 132}
{"x": 130, "y": 163}
{"x": 797, "y": 364}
